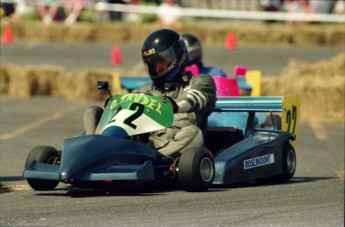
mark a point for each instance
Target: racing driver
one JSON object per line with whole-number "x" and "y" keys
{"x": 165, "y": 57}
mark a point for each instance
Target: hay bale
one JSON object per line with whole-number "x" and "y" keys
{"x": 246, "y": 33}
{"x": 307, "y": 36}
{"x": 319, "y": 85}
{"x": 5, "y": 78}
{"x": 110, "y": 33}
{"x": 58, "y": 32}
{"x": 81, "y": 33}
{"x": 335, "y": 36}
{"x": 36, "y": 32}
{"x": 82, "y": 85}
{"x": 137, "y": 35}
{"x": 27, "y": 81}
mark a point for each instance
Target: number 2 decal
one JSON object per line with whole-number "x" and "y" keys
{"x": 139, "y": 110}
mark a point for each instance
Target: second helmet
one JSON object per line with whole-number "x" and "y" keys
{"x": 194, "y": 48}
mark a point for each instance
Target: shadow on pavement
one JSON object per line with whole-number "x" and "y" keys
{"x": 295, "y": 180}
{"x": 11, "y": 178}
{"x": 146, "y": 190}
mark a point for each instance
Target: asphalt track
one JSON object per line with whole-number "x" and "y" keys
{"x": 314, "y": 197}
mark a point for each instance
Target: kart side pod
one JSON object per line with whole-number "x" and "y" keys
{"x": 258, "y": 155}
{"x": 262, "y": 153}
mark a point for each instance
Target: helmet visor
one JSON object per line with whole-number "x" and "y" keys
{"x": 159, "y": 64}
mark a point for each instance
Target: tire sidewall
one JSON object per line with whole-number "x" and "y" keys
{"x": 189, "y": 173}
{"x": 41, "y": 154}
{"x": 288, "y": 151}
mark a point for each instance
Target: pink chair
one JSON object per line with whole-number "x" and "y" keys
{"x": 240, "y": 70}
{"x": 226, "y": 86}
{"x": 194, "y": 69}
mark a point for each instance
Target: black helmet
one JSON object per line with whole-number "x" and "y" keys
{"x": 194, "y": 48}
{"x": 165, "y": 55}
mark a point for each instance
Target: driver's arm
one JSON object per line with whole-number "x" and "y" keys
{"x": 200, "y": 93}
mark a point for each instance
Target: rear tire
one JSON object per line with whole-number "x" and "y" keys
{"x": 288, "y": 164}
{"x": 47, "y": 155}
{"x": 196, "y": 170}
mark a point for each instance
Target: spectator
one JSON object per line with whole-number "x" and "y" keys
{"x": 7, "y": 12}
{"x": 47, "y": 10}
{"x": 169, "y": 14}
{"x": 115, "y": 16}
{"x": 339, "y": 7}
{"x": 22, "y": 8}
{"x": 153, "y": 1}
{"x": 321, "y": 6}
{"x": 73, "y": 9}
{"x": 133, "y": 16}
{"x": 271, "y": 6}
{"x": 297, "y": 6}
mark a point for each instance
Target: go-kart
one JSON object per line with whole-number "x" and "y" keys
{"x": 120, "y": 151}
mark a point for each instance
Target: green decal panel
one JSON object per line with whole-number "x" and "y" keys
{"x": 156, "y": 108}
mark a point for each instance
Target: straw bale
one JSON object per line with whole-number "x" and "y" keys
{"x": 81, "y": 33}
{"x": 27, "y": 81}
{"x": 5, "y": 78}
{"x": 320, "y": 85}
{"x": 209, "y": 33}
{"x": 82, "y": 85}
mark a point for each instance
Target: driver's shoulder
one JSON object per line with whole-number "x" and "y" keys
{"x": 202, "y": 77}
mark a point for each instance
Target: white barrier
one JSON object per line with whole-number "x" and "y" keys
{"x": 215, "y": 13}
{"x": 226, "y": 14}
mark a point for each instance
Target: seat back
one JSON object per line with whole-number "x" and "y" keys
{"x": 220, "y": 138}
{"x": 226, "y": 86}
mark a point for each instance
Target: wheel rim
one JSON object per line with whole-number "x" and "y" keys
{"x": 291, "y": 161}
{"x": 206, "y": 169}
{"x": 53, "y": 160}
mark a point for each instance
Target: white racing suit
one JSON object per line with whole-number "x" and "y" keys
{"x": 195, "y": 97}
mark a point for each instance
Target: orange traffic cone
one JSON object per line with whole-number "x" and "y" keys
{"x": 7, "y": 36}
{"x": 115, "y": 56}
{"x": 230, "y": 41}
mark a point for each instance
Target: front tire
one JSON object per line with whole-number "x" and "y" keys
{"x": 196, "y": 170}
{"x": 47, "y": 155}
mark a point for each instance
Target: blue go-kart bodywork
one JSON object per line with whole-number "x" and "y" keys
{"x": 120, "y": 152}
